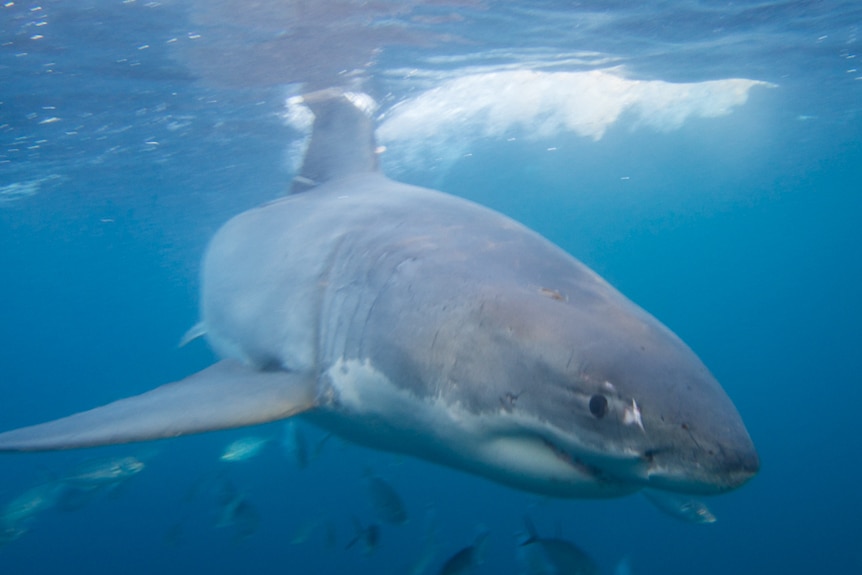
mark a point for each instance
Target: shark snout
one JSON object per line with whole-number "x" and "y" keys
{"x": 737, "y": 463}
{"x": 703, "y": 465}
{"x": 722, "y": 448}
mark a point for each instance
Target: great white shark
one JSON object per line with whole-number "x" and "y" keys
{"x": 413, "y": 321}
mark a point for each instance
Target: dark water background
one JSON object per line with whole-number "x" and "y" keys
{"x": 741, "y": 233}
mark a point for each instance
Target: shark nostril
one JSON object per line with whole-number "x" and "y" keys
{"x": 750, "y": 462}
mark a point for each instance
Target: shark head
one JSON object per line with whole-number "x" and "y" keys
{"x": 614, "y": 392}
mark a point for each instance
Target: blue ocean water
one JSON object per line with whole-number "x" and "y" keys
{"x": 130, "y": 131}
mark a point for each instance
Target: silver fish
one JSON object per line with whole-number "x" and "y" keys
{"x": 86, "y": 481}
{"x": 466, "y": 560}
{"x": 553, "y": 556}
{"x": 107, "y": 471}
{"x": 236, "y": 511}
{"x": 369, "y": 536}
{"x": 18, "y": 514}
{"x": 387, "y": 504}
{"x": 244, "y": 448}
{"x": 680, "y": 506}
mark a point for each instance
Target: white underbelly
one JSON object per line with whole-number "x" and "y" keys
{"x": 363, "y": 405}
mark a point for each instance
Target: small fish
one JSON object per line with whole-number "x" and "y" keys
{"x": 304, "y": 531}
{"x": 553, "y": 555}
{"x": 430, "y": 546}
{"x": 318, "y": 447}
{"x": 680, "y": 507}
{"x": 238, "y": 512}
{"x": 294, "y": 444}
{"x": 244, "y": 448}
{"x": 107, "y": 471}
{"x": 369, "y": 537}
{"x": 387, "y": 504}
{"x": 8, "y": 534}
{"x": 466, "y": 560}
{"x": 86, "y": 481}
{"x": 245, "y": 519}
{"x": 232, "y": 507}
{"x": 17, "y": 515}
{"x": 221, "y": 489}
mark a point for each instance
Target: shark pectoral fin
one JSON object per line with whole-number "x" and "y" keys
{"x": 196, "y": 331}
{"x": 225, "y": 395}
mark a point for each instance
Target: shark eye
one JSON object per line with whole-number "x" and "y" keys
{"x": 598, "y": 405}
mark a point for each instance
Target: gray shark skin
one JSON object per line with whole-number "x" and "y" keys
{"x": 413, "y": 321}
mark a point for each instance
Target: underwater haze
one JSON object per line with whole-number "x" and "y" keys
{"x": 703, "y": 157}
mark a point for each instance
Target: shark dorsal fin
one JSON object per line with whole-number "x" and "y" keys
{"x": 342, "y": 138}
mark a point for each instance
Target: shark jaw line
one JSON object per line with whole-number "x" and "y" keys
{"x": 505, "y": 446}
